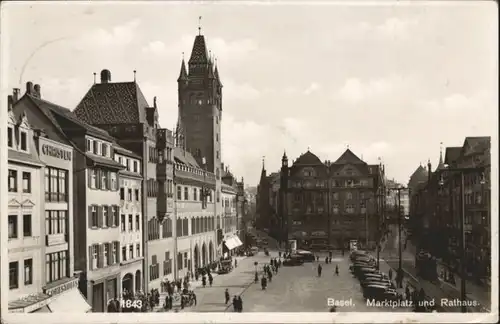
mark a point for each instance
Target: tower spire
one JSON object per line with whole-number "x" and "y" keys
{"x": 199, "y": 25}
{"x": 183, "y": 74}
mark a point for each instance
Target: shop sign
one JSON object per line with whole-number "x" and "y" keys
{"x": 62, "y": 288}
{"x": 56, "y": 152}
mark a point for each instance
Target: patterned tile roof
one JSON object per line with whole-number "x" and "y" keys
{"x": 185, "y": 157}
{"x": 199, "y": 53}
{"x": 22, "y": 157}
{"x": 113, "y": 103}
{"x": 478, "y": 144}
{"x": 308, "y": 158}
{"x": 53, "y": 111}
{"x": 349, "y": 158}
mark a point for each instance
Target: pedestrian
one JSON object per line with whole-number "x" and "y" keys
{"x": 337, "y": 269}
{"x": 279, "y": 254}
{"x": 240, "y": 304}
{"x": 235, "y": 263}
{"x": 326, "y": 260}
{"x": 317, "y": 258}
{"x": 270, "y": 276}
{"x": 226, "y": 295}
{"x": 204, "y": 281}
{"x": 235, "y": 303}
{"x": 196, "y": 274}
{"x": 194, "y": 298}
{"x": 319, "y": 270}
{"x": 256, "y": 278}
{"x": 263, "y": 282}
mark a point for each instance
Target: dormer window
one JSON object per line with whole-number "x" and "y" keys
{"x": 135, "y": 167}
{"x": 10, "y": 137}
{"x": 127, "y": 164}
{"x": 104, "y": 150}
{"x": 120, "y": 160}
{"x": 24, "y": 141}
{"x": 89, "y": 145}
{"x": 94, "y": 147}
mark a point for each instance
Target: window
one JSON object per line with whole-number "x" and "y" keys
{"x": 137, "y": 195}
{"x": 12, "y": 226}
{"x": 179, "y": 193}
{"x": 89, "y": 145}
{"x": 94, "y": 147}
{"x": 27, "y": 225}
{"x": 105, "y": 217}
{"x": 13, "y": 275}
{"x": 185, "y": 227}
{"x": 127, "y": 164}
{"x": 93, "y": 179}
{"x": 154, "y": 271}
{"x": 349, "y": 209}
{"x": 28, "y": 271}
{"x": 185, "y": 260}
{"x": 104, "y": 149}
{"x": 138, "y": 250}
{"x": 106, "y": 255}
{"x": 56, "y": 184}
{"x": 137, "y": 222}
{"x": 195, "y": 196}
{"x": 122, "y": 193}
{"x": 114, "y": 253}
{"x": 217, "y": 154}
{"x": 57, "y": 265}
{"x": 136, "y": 168}
{"x": 130, "y": 223}
{"x": 10, "y": 137}
{"x": 114, "y": 210}
{"x": 124, "y": 253}
{"x": 55, "y": 221}
{"x": 186, "y": 193}
{"x": 26, "y": 182}
{"x": 104, "y": 180}
{"x": 131, "y": 251}
{"x": 129, "y": 194}
{"x": 95, "y": 252}
{"x": 24, "y": 141}
{"x": 12, "y": 180}
{"x": 94, "y": 217}
{"x": 122, "y": 222}
{"x": 167, "y": 228}
{"x": 361, "y": 195}
{"x": 335, "y": 208}
{"x": 114, "y": 182}
{"x": 348, "y": 195}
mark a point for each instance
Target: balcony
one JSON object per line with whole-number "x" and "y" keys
{"x": 55, "y": 239}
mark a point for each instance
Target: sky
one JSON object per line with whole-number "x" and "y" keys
{"x": 390, "y": 81}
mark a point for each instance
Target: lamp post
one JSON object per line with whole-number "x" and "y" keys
{"x": 400, "y": 250}
{"x": 461, "y": 172}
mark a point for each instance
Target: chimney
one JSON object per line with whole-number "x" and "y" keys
{"x": 15, "y": 94}
{"x": 105, "y": 76}
{"x": 38, "y": 91}
{"x": 29, "y": 87}
{"x": 10, "y": 102}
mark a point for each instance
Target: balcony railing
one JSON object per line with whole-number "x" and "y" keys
{"x": 56, "y": 239}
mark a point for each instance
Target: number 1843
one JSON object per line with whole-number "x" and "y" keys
{"x": 129, "y": 303}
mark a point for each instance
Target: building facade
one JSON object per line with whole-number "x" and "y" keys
{"x": 127, "y": 116}
{"x": 26, "y": 248}
{"x": 325, "y": 205}
{"x": 131, "y": 241}
{"x": 58, "y": 279}
{"x": 436, "y": 208}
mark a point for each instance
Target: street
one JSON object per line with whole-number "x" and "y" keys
{"x": 293, "y": 289}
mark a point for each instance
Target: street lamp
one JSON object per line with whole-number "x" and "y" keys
{"x": 462, "y": 171}
{"x": 400, "y": 250}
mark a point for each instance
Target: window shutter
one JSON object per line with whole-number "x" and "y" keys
{"x": 98, "y": 178}
{"x": 110, "y": 253}
{"x": 117, "y": 212}
{"x": 109, "y": 180}
{"x": 90, "y": 258}
{"x": 109, "y": 215}
{"x": 118, "y": 251}
{"x": 90, "y": 216}
{"x": 100, "y": 256}
{"x": 89, "y": 176}
{"x": 99, "y": 216}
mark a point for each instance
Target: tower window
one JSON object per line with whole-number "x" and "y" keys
{"x": 200, "y": 102}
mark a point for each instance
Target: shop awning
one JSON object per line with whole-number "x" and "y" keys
{"x": 230, "y": 243}
{"x": 44, "y": 309}
{"x": 71, "y": 301}
{"x": 238, "y": 241}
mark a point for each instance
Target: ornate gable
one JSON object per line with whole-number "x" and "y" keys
{"x": 28, "y": 203}
{"x": 14, "y": 203}
{"x": 349, "y": 170}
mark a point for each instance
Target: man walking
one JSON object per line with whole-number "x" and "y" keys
{"x": 226, "y": 294}
{"x": 319, "y": 270}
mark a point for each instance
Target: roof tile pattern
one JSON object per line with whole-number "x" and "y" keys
{"x": 113, "y": 103}
{"x": 199, "y": 53}
{"x": 308, "y": 158}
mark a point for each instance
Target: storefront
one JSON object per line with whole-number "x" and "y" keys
{"x": 102, "y": 290}
{"x": 36, "y": 303}
{"x": 230, "y": 243}
{"x": 66, "y": 298}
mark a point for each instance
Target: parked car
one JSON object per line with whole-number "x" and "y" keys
{"x": 293, "y": 261}
{"x": 306, "y": 255}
